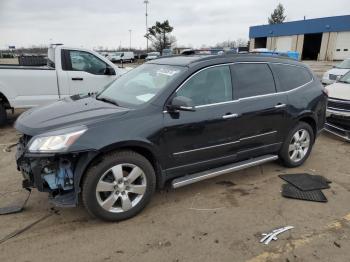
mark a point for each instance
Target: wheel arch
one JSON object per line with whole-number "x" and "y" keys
{"x": 140, "y": 147}
{"x": 309, "y": 119}
{"x": 4, "y": 100}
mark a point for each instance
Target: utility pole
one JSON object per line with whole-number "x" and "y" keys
{"x": 146, "y": 2}
{"x": 130, "y": 40}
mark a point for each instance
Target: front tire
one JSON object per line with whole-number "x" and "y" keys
{"x": 298, "y": 145}
{"x": 118, "y": 187}
{"x": 3, "y": 115}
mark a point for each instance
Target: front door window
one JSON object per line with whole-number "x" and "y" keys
{"x": 209, "y": 86}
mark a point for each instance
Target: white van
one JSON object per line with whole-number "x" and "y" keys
{"x": 118, "y": 57}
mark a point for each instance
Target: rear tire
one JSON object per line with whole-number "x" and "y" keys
{"x": 298, "y": 145}
{"x": 118, "y": 187}
{"x": 3, "y": 115}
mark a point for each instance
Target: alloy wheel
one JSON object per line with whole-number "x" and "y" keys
{"x": 299, "y": 145}
{"x": 121, "y": 188}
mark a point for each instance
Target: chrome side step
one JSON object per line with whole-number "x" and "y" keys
{"x": 193, "y": 178}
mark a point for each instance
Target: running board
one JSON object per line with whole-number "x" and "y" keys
{"x": 193, "y": 178}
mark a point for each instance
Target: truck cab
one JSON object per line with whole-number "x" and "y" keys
{"x": 69, "y": 71}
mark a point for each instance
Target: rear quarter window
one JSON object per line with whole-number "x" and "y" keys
{"x": 252, "y": 79}
{"x": 291, "y": 77}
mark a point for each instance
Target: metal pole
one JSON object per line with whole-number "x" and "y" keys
{"x": 130, "y": 40}
{"x": 146, "y": 3}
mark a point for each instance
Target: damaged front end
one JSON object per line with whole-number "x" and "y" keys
{"x": 57, "y": 173}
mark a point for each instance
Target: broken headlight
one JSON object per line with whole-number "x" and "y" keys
{"x": 57, "y": 141}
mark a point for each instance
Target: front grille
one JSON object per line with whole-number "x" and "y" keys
{"x": 339, "y": 104}
{"x": 340, "y": 121}
{"x": 332, "y": 77}
{"x": 337, "y": 131}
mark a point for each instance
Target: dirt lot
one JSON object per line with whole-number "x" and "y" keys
{"x": 216, "y": 220}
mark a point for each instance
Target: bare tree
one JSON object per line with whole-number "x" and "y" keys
{"x": 159, "y": 35}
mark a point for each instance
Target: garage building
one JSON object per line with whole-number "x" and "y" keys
{"x": 325, "y": 38}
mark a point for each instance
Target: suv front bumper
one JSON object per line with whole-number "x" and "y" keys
{"x": 57, "y": 174}
{"x": 338, "y": 123}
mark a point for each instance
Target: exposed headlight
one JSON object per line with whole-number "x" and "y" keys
{"x": 57, "y": 141}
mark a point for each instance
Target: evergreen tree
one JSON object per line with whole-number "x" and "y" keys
{"x": 277, "y": 17}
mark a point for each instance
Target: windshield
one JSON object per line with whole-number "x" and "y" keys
{"x": 140, "y": 85}
{"x": 345, "y": 78}
{"x": 344, "y": 65}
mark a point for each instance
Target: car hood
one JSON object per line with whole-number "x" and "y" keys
{"x": 68, "y": 112}
{"x": 339, "y": 91}
{"x": 337, "y": 71}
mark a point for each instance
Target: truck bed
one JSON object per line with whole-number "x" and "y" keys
{"x": 12, "y": 66}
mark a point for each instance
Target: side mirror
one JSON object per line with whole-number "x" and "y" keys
{"x": 181, "y": 103}
{"x": 110, "y": 71}
{"x": 338, "y": 78}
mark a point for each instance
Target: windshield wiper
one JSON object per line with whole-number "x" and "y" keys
{"x": 107, "y": 100}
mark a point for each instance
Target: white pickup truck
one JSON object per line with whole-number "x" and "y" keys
{"x": 69, "y": 71}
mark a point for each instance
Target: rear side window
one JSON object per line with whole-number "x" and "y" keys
{"x": 252, "y": 80}
{"x": 291, "y": 77}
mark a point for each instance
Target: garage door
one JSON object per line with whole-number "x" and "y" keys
{"x": 284, "y": 43}
{"x": 342, "y": 46}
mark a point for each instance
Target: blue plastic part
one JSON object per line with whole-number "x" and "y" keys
{"x": 291, "y": 54}
{"x": 63, "y": 179}
{"x": 64, "y": 174}
{"x": 51, "y": 180}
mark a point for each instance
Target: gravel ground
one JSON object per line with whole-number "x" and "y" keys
{"x": 215, "y": 220}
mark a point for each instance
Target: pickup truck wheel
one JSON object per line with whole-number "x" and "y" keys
{"x": 298, "y": 145}
{"x": 119, "y": 186}
{"x": 3, "y": 115}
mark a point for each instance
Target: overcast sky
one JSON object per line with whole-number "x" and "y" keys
{"x": 94, "y": 23}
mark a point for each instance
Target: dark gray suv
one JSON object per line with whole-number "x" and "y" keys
{"x": 177, "y": 119}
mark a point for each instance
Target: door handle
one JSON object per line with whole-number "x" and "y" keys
{"x": 280, "y": 105}
{"x": 77, "y": 78}
{"x": 227, "y": 116}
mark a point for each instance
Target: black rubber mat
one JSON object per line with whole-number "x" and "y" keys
{"x": 306, "y": 182}
{"x": 290, "y": 191}
{"x": 15, "y": 208}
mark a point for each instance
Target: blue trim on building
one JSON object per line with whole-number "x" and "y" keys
{"x": 318, "y": 25}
